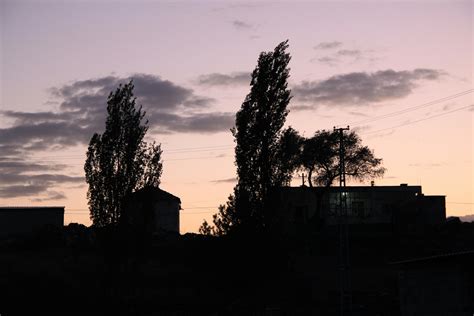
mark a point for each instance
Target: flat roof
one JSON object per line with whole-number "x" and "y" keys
{"x": 31, "y": 208}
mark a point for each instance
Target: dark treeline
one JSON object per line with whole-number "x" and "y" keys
{"x": 67, "y": 272}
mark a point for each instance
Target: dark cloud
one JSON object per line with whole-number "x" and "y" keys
{"x": 328, "y": 45}
{"x": 360, "y": 88}
{"x": 20, "y": 178}
{"x": 82, "y": 112}
{"x": 7, "y": 165}
{"x": 204, "y": 123}
{"x": 238, "y": 24}
{"x": 13, "y": 191}
{"x": 228, "y": 180}
{"x": 218, "y": 79}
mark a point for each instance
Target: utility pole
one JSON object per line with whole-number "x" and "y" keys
{"x": 344, "y": 260}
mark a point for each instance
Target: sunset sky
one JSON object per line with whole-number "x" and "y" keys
{"x": 400, "y": 73}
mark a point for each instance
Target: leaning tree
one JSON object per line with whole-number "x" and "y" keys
{"x": 257, "y": 133}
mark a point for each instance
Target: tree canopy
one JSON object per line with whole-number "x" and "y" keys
{"x": 320, "y": 158}
{"x": 119, "y": 161}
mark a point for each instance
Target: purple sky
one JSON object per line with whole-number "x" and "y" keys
{"x": 352, "y": 63}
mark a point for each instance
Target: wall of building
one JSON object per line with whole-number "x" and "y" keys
{"x": 18, "y": 220}
{"x": 167, "y": 216}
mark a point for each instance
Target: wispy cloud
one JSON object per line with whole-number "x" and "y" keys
{"x": 219, "y": 79}
{"x": 328, "y": 45}
{"x": 333, "y": 54}
{"x": 51, "y": 196}
{"x": 228, "y": 180}
{"x": 241, "y": 25}
{"x": 349, "y": 52}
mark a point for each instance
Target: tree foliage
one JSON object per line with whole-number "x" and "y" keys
{"x": 320, "y": 158}
{"x": 257, "y": 135}
{"x": 224, "y": 221}
{"x": 119, "y": 161}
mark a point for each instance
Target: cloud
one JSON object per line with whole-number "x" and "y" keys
{"x": 340, "y": 56}
{"x": 361, "y": 88}
{"x": 20, "y": 178}
{"x": 335, "y": 57}
{"x": 82, "y": 112}
{"x": 360, "y": 114}
{"x": 52, "y": 196}
{"x": 328, "y": 45}
{"x": 204, "y": 123}
{"x": 228, "y": 180}
{"x": 349, "y": 52}
{"x": 327, "y": 60}
{"x": 218, "y": 79}
{"x": 240, "y": 25}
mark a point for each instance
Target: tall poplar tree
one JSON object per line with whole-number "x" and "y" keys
{"x": 257, "y": 131}
{"x": 119, "y": 161}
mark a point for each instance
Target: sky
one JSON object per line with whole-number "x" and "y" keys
{"x": 397, "y": 72}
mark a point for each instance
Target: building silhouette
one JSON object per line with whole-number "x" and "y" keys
{"x": 404, "y": 207}
{"x": 153, "y": 209}
{"x": 22, "y": 220}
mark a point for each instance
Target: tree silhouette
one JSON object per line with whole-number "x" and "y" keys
{"x": 257, "y": 134}
{"x": 119, "y": 161}
{"x": 320, "y": 158}
{"x": 224, "y": 221}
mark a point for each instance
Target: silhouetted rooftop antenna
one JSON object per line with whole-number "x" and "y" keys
{"x": 344, "y": 262}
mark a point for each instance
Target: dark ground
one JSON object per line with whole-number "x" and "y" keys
{"x": 67, "y": 272}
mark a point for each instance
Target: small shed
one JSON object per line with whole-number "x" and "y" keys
{"x": 154, "y": 209}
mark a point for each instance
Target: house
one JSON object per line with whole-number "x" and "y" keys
{"x": 21, "y": 220}
{"x": 403, "y": 206}
{"x": 153, "y": 209}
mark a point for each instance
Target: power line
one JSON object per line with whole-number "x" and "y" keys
{"x": 417, "y": 121}
{"x": 165, "y": 152}
{"x": 468, "y": 203}
{"x": 410, "y": 109}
